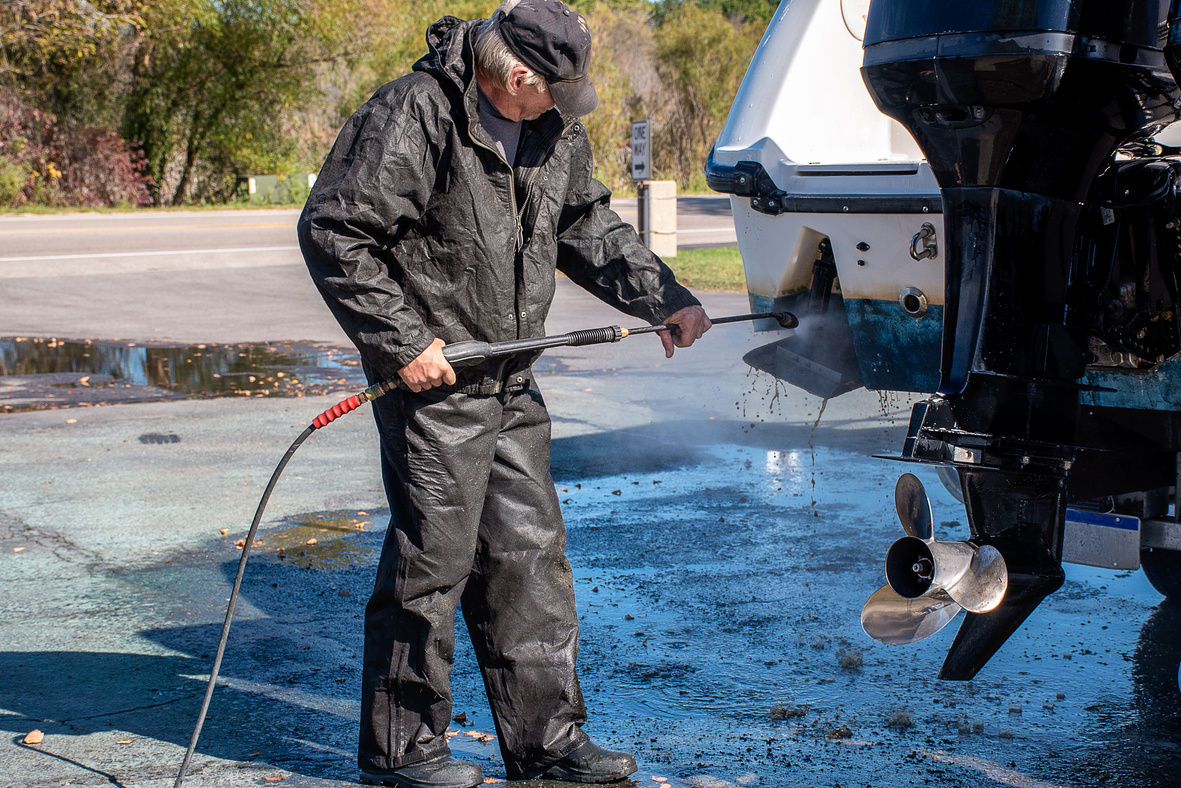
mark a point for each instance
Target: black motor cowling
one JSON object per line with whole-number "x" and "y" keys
{"x": 1020, "y": 107}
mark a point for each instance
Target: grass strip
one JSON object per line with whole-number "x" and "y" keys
{"x": 709, "y": 269}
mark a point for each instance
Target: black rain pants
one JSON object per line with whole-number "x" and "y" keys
{"x": 474, "y": 521}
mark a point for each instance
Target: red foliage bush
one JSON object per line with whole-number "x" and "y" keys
{"x": 45, "y": 163}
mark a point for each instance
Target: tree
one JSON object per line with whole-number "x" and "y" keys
{"x": 215, "y": 89}
{"x": 701, "y": 59}
{"x": 211, "y": 83}
{"x": 624, "y": 72}
{"x": 59, "y": 66}
{"x": 65, "y": 54}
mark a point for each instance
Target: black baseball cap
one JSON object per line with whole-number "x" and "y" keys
{"x": 555, "y": 42}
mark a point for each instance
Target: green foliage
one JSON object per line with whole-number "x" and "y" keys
{"x": 395, "y": 39}
{"x": 678, "y": 64}
{"x": 47, "y": 163}
{"x": 623, "y": 71}
{"x": 211, "y": 90}
{"x": 735, "y": 10}
{"x": 210, "y": 87}
{"x": 12, "y": 183}
{"x": 701, "y": 59}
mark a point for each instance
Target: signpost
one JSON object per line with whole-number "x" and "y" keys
{"x": 641, "y": 150}
{"x": 656, "y": 204}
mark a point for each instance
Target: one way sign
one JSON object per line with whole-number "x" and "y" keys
{"x": 641, "y": 150}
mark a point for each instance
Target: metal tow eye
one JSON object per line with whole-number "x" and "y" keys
{"x": 924, "y": 245}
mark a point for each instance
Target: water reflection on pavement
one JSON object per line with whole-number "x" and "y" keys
{"x": 720, "y": 569}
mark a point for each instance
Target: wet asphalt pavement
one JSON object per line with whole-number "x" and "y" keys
{"x": 722, "y": 541}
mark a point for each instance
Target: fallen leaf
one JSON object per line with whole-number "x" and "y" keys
{"x": 71, "y": 421}
{"x": 34, "y": 737}
{"x": 123, "y": 741}
{"x": 310, "y": 542}
{"x": 225, "y": 531}
{"x": 18, "y": 549}
{"x": 274, "y": 779}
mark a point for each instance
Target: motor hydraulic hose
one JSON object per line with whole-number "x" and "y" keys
{"x": 457, "y": 354}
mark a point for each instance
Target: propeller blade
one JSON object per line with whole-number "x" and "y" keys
{"x": 983, "y": 585}
{"x": 914, "y": 510}
{"x": 894, "y": 620}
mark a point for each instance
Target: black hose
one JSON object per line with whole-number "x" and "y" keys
{"x": 463, "y": 352}
{"x": 225, "y": 628}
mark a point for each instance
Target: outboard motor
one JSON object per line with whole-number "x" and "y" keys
{"x": 1060, "y": 258}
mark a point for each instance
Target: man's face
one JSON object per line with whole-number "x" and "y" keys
{"x": 524, "y": 102}
{"x": 531, "y": 103}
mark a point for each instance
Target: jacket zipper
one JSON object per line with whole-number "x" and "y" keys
{"x": 498, "y": 384}
{"x": 519, "y": 210}
{"x": 518, "y": 219}
{"x": 529, "y": 185}
{"x": 512, "y": 191}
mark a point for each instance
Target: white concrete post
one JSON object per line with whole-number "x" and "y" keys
{"x": 658, "y": 216}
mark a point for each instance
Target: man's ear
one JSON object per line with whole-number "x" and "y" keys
{"x": 516, "y": 79}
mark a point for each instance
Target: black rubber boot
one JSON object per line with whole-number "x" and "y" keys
{"x": 590, "y": 763}
{"x": 442, "y": 772}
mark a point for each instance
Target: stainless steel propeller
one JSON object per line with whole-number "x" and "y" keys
{"x": 914, "y": 509}
{"x": 928, "y": 581}
{"x": 894, "y": 620}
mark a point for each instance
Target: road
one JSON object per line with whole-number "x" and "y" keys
{"x": 72, "y": 243}
{"x": 724, "y": 533}
{"x": 252, "y": 252}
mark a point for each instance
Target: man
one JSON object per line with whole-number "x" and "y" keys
{"x": 440, "y": 215}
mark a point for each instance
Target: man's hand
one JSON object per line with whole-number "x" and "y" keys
{"x": 691, "y": 323}
{"x": 430, "y": 369}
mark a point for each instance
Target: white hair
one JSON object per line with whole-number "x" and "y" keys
{"x": 495, "y": 61}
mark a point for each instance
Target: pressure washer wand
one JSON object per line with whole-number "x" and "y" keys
{"x": 473, "y": 352}
{"x": 457, "y": 354}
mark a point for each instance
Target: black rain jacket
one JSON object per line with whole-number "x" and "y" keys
{"x": 418, "y": 228}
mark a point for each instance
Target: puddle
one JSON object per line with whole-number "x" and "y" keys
{"x": 324, "y": 540}
{"x": 38, "y": 374}
{"x": 41, "y": 374}
{"x": 720, "y": 637}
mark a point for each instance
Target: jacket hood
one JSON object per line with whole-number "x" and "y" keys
{"x": 449, "y": 51}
